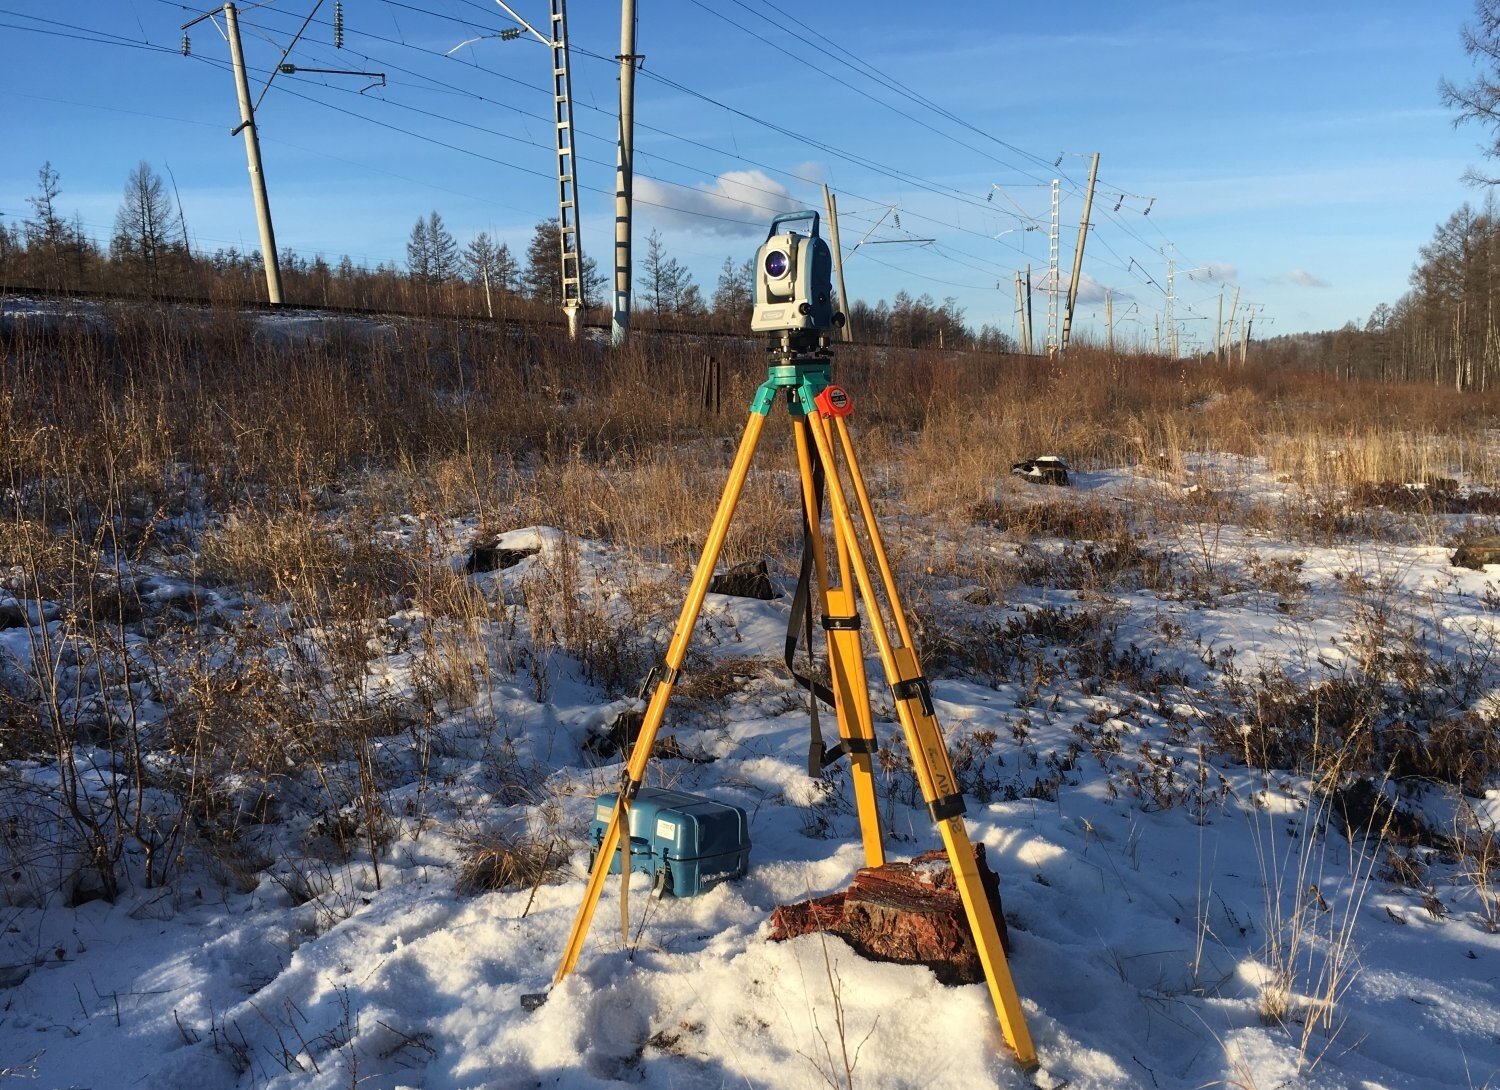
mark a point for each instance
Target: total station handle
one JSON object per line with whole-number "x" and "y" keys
{"x": 791, "y": 217}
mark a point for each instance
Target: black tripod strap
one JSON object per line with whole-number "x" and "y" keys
{"x": 801, "y": 619}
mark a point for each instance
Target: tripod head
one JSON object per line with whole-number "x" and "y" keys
{"x": 789, "y": 345}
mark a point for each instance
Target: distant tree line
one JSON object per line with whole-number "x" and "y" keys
{"x": 1444, "y": 331}
{"x": 148, "y": 253}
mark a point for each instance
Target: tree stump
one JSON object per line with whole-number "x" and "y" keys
{"x": 1477, "y": 553}
{"x": 907, "y": 913}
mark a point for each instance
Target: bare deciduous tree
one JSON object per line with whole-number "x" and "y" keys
{"x": 1479, "y": 99}
{"x": 666, "y": 283}
{"x": 143, "y": 232}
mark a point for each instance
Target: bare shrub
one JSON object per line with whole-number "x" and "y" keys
{"x": 507, "y": 858}
{"x": 1121, "y": 562}
{"x": 1071, "y": 519}
{"x": 1310, "y": 955}
{"x": 1478, "y": 848}
{"x": 1402, "y": 708}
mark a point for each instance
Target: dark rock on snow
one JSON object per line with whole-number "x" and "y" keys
{"x": 491, "y": 557}
{"x": 1045, "y": 470}
{"x": 618, "y": 739}
{"x": 747, "y": 580}
{"x": 1479, "y": 552}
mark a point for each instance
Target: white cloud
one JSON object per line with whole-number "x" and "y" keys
{"x": 1089, "y": 289}
{"x": 1215, "y": 272}
{"x": 737, "y": 202}
{"x": 1304, "y": 279}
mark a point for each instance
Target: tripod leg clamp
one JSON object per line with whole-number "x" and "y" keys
{"x": 847, "y": 747}
{"x": 915, "y": 688}
{"x": 841, "y": 624}
{"x": 629, "y": 788}
{"x": 657, "y": 675}
{"x": 949, "y": 806}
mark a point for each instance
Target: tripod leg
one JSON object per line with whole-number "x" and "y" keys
{"x": 924, "y": 737}
{"x": 877, "y": 546}
{"x": 640, "y": 755}
{"x": 846, "y": 664}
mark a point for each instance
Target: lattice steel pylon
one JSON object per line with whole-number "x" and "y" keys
{"x": 1053, "y": 341}
{"x": 567, "y": 190}
{"x": 570, "y": 251}
{"x": 1171, "y": 322}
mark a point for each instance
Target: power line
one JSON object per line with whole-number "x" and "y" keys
{"x": 489, "y": 158}
{"x": 899, "y": 176}
{"x": 892, "y": 172}
{"x": 464, "y": 92}
{"x": 80, "y": 34}
{"x": 436, "y": 85}
{"x": 934, "y": 187}
{"x": 113, "y": 109}
{"x": 889, "y": 84}
{"x": 104, "y": 39}
{"x": 924, "y": 276}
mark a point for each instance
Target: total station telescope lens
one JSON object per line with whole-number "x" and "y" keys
{"x": 776, "y": 264}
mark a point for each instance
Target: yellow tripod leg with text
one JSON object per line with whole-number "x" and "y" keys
{"x": 924, "y": 737}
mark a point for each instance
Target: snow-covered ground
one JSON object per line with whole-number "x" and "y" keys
{"x": 1180, "y": 919}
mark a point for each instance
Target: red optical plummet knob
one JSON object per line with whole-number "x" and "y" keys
{"x": 834, "y": 401}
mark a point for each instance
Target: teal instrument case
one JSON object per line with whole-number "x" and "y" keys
{"x": 688, "y": 843}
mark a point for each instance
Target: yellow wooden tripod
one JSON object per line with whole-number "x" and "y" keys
{"x": 821, "y": 433}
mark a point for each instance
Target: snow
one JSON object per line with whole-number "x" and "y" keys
{"x": 1143, "y": 911}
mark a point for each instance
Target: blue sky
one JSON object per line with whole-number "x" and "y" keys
{"x": 1297, "y": 150}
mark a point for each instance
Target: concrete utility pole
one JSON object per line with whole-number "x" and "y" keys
{"x": 1109, "y": 320}
{"x": 1020, "y": 316}
{"x": 247, "y": 116}
{"x": 1229, "y": 326}
{"x": 252, "y": 153}
{"x": 1030, "y": 315}
{"x": 1083, "y": 231}
{"x": 831, "y": 203}
{"x": 1219, "y": 330}
{"x": 619, "y": 329}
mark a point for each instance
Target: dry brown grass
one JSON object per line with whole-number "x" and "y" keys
{"x": 325, "y": 474}
{"x": 507, "y": 859}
